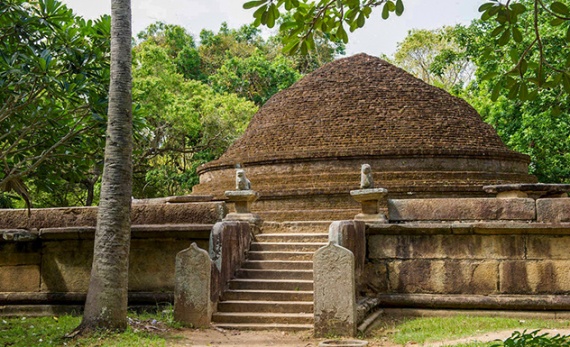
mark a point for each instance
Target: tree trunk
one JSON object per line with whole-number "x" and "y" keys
{"x": 106, "y": 305}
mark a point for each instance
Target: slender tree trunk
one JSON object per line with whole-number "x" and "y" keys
{"x": 106, "y": 305}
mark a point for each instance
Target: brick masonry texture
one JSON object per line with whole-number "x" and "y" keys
{"x": 311, "y": 139}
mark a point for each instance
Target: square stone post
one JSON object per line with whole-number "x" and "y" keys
{"x": 334, "y": 291}
{"x": 373, "y": 202}
{"x": 193, "y": 306}
{"x": 242, "y": 200}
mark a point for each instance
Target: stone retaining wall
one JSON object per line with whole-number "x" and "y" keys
{"x": 436, "y": 250}
{"x": 51, "y": 257}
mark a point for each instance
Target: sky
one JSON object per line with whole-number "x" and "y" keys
{"x": 377, "y": 37}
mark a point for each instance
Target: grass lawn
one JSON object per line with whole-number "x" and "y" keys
{"x": 143, "y": 330}
{"x": 159, "y": 330}
{"x": 430, "y": 329}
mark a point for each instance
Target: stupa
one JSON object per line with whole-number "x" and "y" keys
{"x": 304, "y": 148}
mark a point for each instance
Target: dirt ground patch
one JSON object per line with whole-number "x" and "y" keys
{"x": 233, "y": 338}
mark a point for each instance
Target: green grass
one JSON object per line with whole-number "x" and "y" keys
{"x": 50, "y": 331}
{"x": 430, "y": 329}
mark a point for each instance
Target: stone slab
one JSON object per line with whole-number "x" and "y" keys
{"x": 443, "y": 276}
{"x": 455, "y": 209}
{"x": 66, "y": 265}
{"x": 535, "y": 277}
{"x": 22, "y": 278}
{"x": 192, "y": 306}
{"x": 481, "y": 247}
{"x": 28, "y": 253}
{"x": 552, "y": 247}
{"x": 553, "y": 210}
{"x": 334, "y": 291}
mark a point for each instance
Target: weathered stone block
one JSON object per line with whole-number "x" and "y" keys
{"x": 192, "y": 305}
{"x": 461, "y": 209}
{"x": 23, "y": 278}
{"x": 443, "y": 276}
{"x": 352, "y": 236}
{"x": 550, "y": 277}
{"x": 66, "y": 265}
{"x": 446, "y": 247}
{"x": 513, "y": 277}
{"x": 334, "y": 291}
{"x": 151, "y": 268}
{"x": 25, "y": 253}
{"x": 553, "y": 210}
{"x": 376, "y": 278}
{"x": 548, "y": 247}
{"x": 229, "y": 242}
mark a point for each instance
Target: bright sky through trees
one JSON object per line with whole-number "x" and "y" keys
{"x": 377, "y": 37}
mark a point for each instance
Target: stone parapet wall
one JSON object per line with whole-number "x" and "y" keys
{"x": 52, "y": 257}
{"x": 190, "y": 213}
{"x": 556, "y": 210}
{"x": 419, "y": 264}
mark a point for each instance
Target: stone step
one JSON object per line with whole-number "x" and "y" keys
{"x": 286, "y": 246}
{"x": 293, "y": 237}
{"x": 264, "y": 318}
{"x": 271, "y": 284}
{"x": 269, "y": 295}
{"x": 266, "y": 306}
{"x": 273, "y": 255}
{"x": 275, "y": 274}
{"x": 264, "y": 326}
{"x": 297, "y": 227}
{"x": 278, "y": 264}
{"x": 308, "y": 215}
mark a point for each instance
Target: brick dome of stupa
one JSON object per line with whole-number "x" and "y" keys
{"x": 311, "y": 138}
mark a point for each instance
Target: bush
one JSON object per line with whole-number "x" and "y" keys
{"x": 534, "y": 339}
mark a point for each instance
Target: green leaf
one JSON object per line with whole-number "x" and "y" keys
{"x": 504, "y": 39}
{"x": 399, "y": 7}
{"x": 517, "y": 35}
{"x": 486, "y": 15}
{"x": 568, "y": 34}
{"x": 497, "y": 30}
{"x": 496, "y": 91}
{"x": 518, "y": 8}
{"x": 271, "y": 16}
{"x": 341, "y": 34}
{"x": 252, "y": 4}
{"x": 557, "y": 21}
{"x": 292, "y": 46}
{"x": 486, "y": 6}
{"x": 360, "y": 20}
{"x": 385, "y": 11}
{"x": 259, "y": 12}
{"x": 489, "y": 76}
{"x": 513, "y": 92}
{"x": 560, "y": 8}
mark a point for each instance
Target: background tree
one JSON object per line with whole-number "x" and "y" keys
{"x": 535, "y": 122}
{"x": 530, "y": 113}
{"x": 53, "y": 94}
{"x": 436, "y": 57}
{"x": 106, "y": 303}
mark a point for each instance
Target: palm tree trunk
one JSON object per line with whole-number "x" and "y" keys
{"x": 106, "y": 305}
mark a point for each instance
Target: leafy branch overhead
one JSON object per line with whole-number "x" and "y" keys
{"x": 531, "y": 70}
{"x": 332, "y": 17}
{"x": 529, "y": 48}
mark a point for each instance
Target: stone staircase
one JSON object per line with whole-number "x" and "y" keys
{"x": 274, "y": 287}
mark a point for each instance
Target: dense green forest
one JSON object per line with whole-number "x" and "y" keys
{"x": 194, "y": 95}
